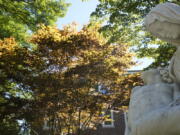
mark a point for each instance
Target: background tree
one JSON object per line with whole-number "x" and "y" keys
{"x": 124, "y": 22}
{"x": 20, "y": 17}
{"x": 13, "y": 96}
{"x": 55, "y": 80}
{"x": 75, "y": 62}
{"x": 127, "y": 83}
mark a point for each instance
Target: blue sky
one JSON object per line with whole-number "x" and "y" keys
{"x": 79, "y": 12}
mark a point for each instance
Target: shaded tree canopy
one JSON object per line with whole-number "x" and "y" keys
{"x": 124, "y": 21}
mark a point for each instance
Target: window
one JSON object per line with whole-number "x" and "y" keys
{"x": 109, "y": 121}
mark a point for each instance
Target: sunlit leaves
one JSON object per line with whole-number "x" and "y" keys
{"x": 7, "y": 45}
{"x": 80, "y": 60}
{"x": 124, "y": 22}
{"x": 19, "y": 18}
{"x": 59, "y": 74}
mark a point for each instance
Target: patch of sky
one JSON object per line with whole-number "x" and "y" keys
{"x": 78, "y": 12}
{"x": 141, "y": 63}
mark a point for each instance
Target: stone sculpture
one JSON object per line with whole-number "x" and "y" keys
{"x": 163, "y": 21}
{"x": 155, "y": 108}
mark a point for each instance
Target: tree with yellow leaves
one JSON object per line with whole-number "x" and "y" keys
{"x": 60, "y": 74}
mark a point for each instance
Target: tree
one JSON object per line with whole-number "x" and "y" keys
{"x": 124, "y": 21}
{"x": 13, "y": 97}
{"x": 9, "y": 127}
{"x": 80, "y": 60}
{"x": 20, "y": 17}
{"x": 127, "y": 83}
{"x": 55, "y": 80}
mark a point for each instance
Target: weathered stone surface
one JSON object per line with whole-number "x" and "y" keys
{"x": 155, "y": 108}
{"x": 147, "y": 99}
{"x": 163, "y": 21}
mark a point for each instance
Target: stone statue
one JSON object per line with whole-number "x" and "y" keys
{"x": 156, "y": 94}
{"x": 163, "y": 21}
{"x": 154, "y": 109}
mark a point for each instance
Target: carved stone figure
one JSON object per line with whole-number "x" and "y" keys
{"x": 155, "y": 108}
{"x": 174, "y": 67}
{"x": 145, "y": 99}
{"x": 163, "y": 21}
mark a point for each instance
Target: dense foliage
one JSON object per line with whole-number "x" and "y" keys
{"x": 56, "y": 79}
{"x": 21, "y": 17}
{"x": 128, "y": 82}
{"x": 124, "y": 22}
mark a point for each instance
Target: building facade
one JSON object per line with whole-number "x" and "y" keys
{"x": 115, "y": 126}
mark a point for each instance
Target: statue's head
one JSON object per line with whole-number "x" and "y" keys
{"x": 151, "y": 76}
{"x": 163, "y": 21}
